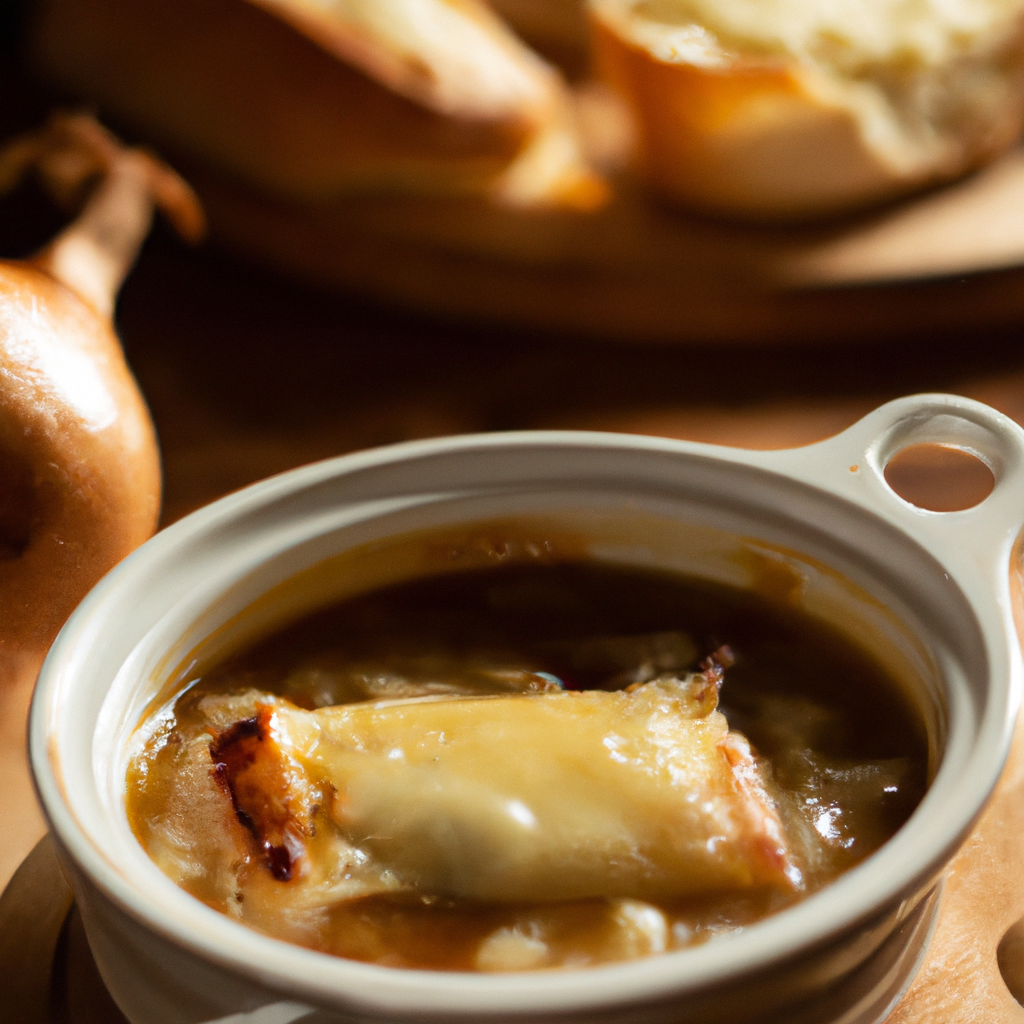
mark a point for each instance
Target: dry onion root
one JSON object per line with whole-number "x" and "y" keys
{"x": 79, "y": 464}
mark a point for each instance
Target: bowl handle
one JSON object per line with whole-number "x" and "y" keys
{"x": 853, "y": 464}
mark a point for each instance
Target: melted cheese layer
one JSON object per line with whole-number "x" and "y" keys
{"x": 545, "y": 797}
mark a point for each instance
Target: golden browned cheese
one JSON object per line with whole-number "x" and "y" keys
{"x": 525, "y": 767}
{"x": 517, "y": 797}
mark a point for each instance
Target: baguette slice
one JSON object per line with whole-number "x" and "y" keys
{"x": 795, "y": 110}
{"x": 515, "y": 797}
{"x": 310, "y": 100}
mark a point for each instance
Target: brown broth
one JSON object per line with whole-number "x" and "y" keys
{"x": 846, "y": 754}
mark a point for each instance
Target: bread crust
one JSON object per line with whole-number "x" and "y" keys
{"x": 305, "y": 107}
{"x": 754, "y": 138}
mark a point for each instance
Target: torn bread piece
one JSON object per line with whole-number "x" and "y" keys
{"x": 312, "y": 100}
{"x": 643, "y": 793}
{"x": 792, "y": 109}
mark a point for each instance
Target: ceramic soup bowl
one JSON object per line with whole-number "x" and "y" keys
{"x": 926, "y": 592}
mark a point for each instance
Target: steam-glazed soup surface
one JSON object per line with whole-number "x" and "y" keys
{"x": 535, "y": 762}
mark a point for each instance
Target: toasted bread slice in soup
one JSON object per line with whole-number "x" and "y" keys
{"x": 514, "y": 797}
{"x": 791, "y": 109}
{"x": 309, "y": 100}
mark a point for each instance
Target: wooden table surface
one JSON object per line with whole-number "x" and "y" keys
{"x": 248, "y": 374}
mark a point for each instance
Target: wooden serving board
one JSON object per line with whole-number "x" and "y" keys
{"x": 638, "y": 271}
{"x": 47, "y": 975}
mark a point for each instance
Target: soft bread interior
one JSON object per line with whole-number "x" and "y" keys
{"x": 798, "y": 108}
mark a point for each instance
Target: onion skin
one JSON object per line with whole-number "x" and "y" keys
{"x": 79, "y": 463}
{"x": 79, "y": 458}
{"x": 80, "y": 475}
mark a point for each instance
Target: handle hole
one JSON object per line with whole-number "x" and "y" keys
{"x": 939, "y": 477}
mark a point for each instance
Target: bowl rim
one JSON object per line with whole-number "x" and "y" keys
{"x": 332, "y": 981}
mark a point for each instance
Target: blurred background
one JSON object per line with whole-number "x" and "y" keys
{"x": 249, "y": 370}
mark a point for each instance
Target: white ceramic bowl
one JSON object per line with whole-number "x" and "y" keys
{"x": 927, "y": 591}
